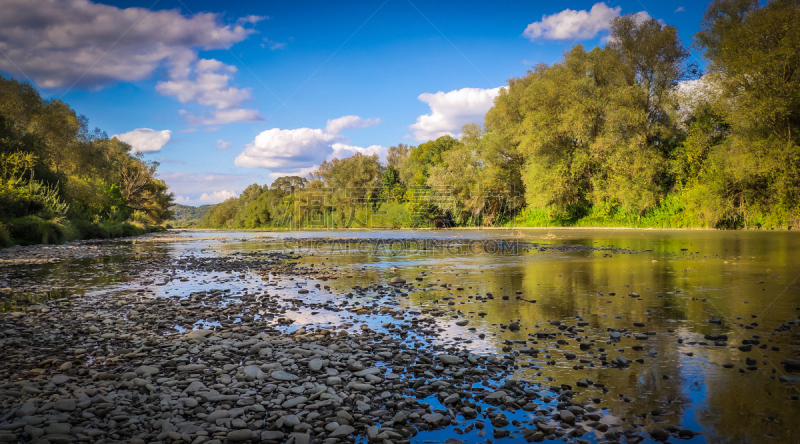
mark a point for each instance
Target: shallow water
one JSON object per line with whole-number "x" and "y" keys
{"x": 674, "y": 282}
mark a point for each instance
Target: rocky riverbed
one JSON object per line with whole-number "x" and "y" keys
{"x": 241, "y": 354}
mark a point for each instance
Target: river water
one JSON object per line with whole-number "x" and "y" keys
{"x": 678, "y": 288}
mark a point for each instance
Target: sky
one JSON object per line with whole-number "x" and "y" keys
{"x": 226, "y": 94}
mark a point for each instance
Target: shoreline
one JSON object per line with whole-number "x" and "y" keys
{"x": 476, "y": 229}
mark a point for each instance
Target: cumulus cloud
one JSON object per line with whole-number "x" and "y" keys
{"x": 302, "y": 172}
{"x": 205, "y": 188}
{"x": 336, "y": 126}
{"x": 680, "y": 9}
{"x": 452, "y": 110}
{"x": 208, "y": 87}
{"x": 294, "y": 151}
{"x": 222, "y": 144}
{"x": 341, "y": 150}
{"x": 206, "y": 198}
{"x": 145, "y": 140}
{"x": 576, "y": 25}
{"x": 286, "y": 148}
{"x": 68, "y": 42}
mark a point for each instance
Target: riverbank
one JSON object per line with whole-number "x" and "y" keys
{"x": 495, "y": 228}
{"x": 32, "y": 230}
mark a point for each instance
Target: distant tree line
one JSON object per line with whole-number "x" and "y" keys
{"x": 59, "y": 180}
{"x": 186, "y": 216}
{"x": 626, "y": 134}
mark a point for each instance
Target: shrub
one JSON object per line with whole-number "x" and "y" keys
{"x": 89, "y": 230}
{"x": 5, "y": 237}
{"x": 32, "y": 230}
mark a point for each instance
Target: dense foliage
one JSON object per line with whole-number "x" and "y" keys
{"x": 185, "y": 216}
{"x": 59, "y": 180}
{"x": 625, "y": 134}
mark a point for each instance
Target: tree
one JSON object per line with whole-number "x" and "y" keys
{"x": 74, "y": 173}
{"x": 391, "y": 177}
{"x": 221, "y": 215}
{"x": 287, "y": 185}
{"x": 421, "y": 158}
{"x": 592, "y": 132}
{"x": 754, "y": 60}
{"x": 397, "y": 156}
{"x": 460, "y": 178}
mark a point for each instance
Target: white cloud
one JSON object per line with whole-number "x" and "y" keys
{"x": 302, "y": 172}
{"x": 573, "y": 25}
{"x": 691, "y": 94}
{"x": 452, "y": 110}
{"x": 290, "y": 148}
{"x": 209, "y": 86}
{"x": 61, "y": 43}
{"x": 341, "y": 150}
{"x": 222, "y": 144}
{"x": 223, "y": 117}
{"x": 206, "y": 198}
{"x": 145, "y": 140}
{"x": 298, "y": 151}
{"x": 205, "y": 188}
{"x": 252, "y": 19}
{"x": 680, "y": 9}
{"x": 273, "y": 45}
{"x": 336, "y": 126}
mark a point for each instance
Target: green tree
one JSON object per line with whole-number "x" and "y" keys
{"x": 426, "y": 155}
{"x": 72, "y": 173}
{"x": 754, "y": 60}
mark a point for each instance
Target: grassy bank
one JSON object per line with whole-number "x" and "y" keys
{"x": 671, "y": 213}
{"x": 31, "y": 230}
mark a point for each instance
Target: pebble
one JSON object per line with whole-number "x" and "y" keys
{"x": 60, "y": 379}
{"x": 342, "y": 431}
{"x": 64, "y": 405}
{"x": 449, "y": 359}
{"x": 283, "y": 376}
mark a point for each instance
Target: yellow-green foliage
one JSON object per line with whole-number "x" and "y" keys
{"x": 54, "y": 170}
{"x": 607, "y": 137}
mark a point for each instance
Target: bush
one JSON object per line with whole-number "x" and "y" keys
{"x": 89, "y": 230}
{"x": 123, "y": 229}
{"x": 32, "y": 230}
{"x": 5, "y": 237}
{"x": 111, "y": 230}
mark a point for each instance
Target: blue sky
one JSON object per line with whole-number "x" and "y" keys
{"x": 225, "y": 94}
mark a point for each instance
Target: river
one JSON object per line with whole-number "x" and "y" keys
{"x": 681, "y": 303}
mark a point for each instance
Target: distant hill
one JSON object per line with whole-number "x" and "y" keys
{"x": 187, "y": 216}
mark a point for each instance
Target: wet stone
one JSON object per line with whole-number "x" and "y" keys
{"x": 449, "y": 359}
